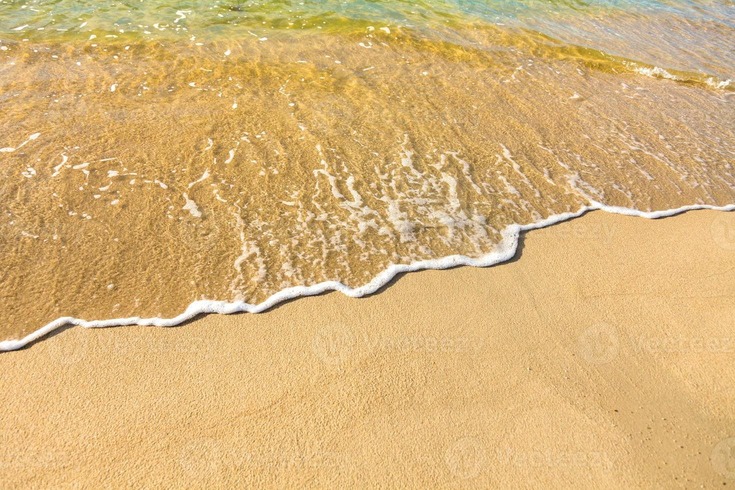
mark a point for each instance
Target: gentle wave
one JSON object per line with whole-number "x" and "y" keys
{"x": 505, "y": 251}
{"x": 191, "y": 157}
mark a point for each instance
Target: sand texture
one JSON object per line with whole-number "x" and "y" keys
{"x": 603, "y": 356}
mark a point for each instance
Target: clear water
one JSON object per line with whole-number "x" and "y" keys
{"x": 153, "y": 154}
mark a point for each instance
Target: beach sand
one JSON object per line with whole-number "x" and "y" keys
{"x": 603, "y": 355}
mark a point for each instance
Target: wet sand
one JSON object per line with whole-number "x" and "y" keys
{"x": 134, "y": 182}
{"x": 602, "y": 356}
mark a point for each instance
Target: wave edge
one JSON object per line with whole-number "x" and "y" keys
{"x": 504, "y": 251}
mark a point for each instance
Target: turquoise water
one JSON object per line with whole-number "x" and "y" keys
{"x": 678, "y": 34}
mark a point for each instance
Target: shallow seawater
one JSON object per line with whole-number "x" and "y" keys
{"x": 153, "y": 153}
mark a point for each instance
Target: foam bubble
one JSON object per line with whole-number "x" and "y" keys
{"x": 504, "y": 251}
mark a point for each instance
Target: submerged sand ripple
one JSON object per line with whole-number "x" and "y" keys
{"x": 139, "y": 178}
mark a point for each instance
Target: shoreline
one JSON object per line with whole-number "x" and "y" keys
{"x": 504, "y": 251}
{"x": 601, "y": 355}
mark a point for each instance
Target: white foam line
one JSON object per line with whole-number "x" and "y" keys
{"x": 503, "y": 252}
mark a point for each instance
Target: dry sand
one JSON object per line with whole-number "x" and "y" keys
{"x": 603, "y": 356}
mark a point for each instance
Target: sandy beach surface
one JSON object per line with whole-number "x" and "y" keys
{"x": 602, "y": 356}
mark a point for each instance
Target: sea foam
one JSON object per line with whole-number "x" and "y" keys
{"x": 504, "y": 251}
